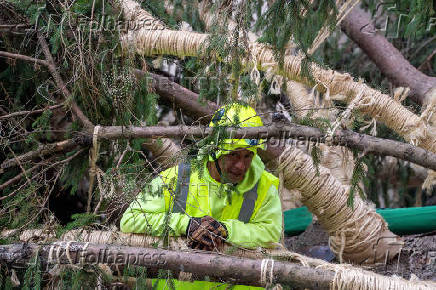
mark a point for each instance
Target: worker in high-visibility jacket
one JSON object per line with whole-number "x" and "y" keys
{"x": 231, "y": 198}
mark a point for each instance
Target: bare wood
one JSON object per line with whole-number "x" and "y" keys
{"x": 388, "y": 59}
{"x": 23, "y": 57}
{"x": 228, "y": 268}
{"x": 28, "y": 113}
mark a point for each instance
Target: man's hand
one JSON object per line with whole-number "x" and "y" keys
{"x": 206, "y": 234}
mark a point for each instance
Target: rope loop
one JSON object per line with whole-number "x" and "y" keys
{"x": 264, "y": 279}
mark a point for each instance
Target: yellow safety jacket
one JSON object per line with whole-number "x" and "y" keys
{"x": 206, "y": 196}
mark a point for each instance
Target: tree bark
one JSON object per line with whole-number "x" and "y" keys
{"x": 179, "y": 96}
{"x": 357, "y": 25}
{"x": 283, "y": 133}
{"x": 227, "y": 268}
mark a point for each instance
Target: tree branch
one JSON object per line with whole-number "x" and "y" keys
{"x": 281, "y": 132}
{"x": 228, "y": 268}
{"x": 42, "y": 150}
{"x": 21, "y": 113}
{"x": 357, "y": 25}
{"x": 19, "y": 176}
{"x": 23, "y": 57}
{"x": 368, "y": 144}
{"x": 179, "y": 96}
{"x": 60, "y": 83}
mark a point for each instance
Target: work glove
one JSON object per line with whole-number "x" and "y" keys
{"x": 206, "y": 233}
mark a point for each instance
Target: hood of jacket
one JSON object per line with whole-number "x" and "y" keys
{"x": 251, "y": 177}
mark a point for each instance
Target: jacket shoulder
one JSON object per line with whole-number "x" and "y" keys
{"x": 269, "y": 178}
{"x": 169, "y": 174}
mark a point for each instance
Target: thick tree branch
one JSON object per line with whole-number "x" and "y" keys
{"x": 236, "y": 270}
{"x": 228, "y": 268}
{"x": 281, "y": 132}
{"x": 180, "y": 96}
{"x": 358, "y": 26}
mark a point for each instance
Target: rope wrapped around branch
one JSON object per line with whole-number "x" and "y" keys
{"x": 357, "y": 234}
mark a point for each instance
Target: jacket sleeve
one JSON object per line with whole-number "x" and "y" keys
{"x": 264, "y": 229}
{"x": 149, "y": 213}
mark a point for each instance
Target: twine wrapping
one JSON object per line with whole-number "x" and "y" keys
{"x": 360, "y": 234}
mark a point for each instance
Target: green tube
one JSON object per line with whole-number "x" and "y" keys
{"x": 401, "y": 221}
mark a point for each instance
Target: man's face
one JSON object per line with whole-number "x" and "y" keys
{"x": 235, "y": 164}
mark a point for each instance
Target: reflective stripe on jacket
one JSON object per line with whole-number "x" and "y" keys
{"x": 148, "y": 212}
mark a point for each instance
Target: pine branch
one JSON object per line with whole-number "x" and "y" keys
{"x": 43, "y": 150}
{"x": 19, "y": 176}
{"x": 50, "y": 64}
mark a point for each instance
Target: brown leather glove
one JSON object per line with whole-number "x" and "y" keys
{"x": 206, "y": 234}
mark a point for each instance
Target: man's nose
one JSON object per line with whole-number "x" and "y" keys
{"x": 240, "y": 164}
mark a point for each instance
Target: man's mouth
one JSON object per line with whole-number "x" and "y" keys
{"x": 236, "y": 174}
